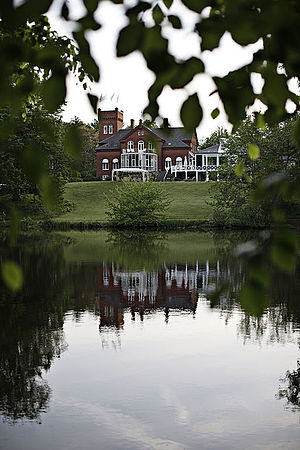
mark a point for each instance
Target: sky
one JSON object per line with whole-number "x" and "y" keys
{"x": 124, "y": 82}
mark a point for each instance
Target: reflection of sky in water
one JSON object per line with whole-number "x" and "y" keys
{"x": 141, "y": 359}
{"x": 190, "y": 383}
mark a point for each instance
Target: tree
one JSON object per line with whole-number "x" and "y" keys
{"x": 83, "y": 164}
{"x": 136, "y": 204}
{"x": 215, "y": 138}
{"x": 252, "y": 154}
{"x": 33, "y": 161}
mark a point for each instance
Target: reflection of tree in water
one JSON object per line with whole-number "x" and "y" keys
{"x": 136, "y": 249}
{"x": 291, "y": 390}
{"x": 31, "y": 333}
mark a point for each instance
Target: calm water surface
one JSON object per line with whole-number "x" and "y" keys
{"x": 116, "y": 343}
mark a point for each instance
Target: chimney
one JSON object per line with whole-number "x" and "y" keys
{"x": 140, "y": 123}
{"x": 132, "y": 123}
{"x": 165, "y": 123}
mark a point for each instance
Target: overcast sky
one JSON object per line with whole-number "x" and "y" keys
{"x": 125, "y": 81}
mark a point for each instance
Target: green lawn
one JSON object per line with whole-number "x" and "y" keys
{"x": 188, "y": 201}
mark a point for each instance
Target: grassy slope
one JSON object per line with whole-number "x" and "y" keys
{"x": 188, "y": 201}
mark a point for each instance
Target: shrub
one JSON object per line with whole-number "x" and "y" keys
{"x": 136, "y": 204}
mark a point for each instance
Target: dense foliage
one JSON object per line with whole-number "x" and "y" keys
{"x": 253, "y": 154}
{"x": 34, "y": 166}
{"x": 137, "y": 204}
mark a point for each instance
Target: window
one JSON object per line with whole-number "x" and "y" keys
{"x": 130, "y": 146}
{"x": 105, "y": 165}
{"x": 141, "y": 145}
{"x": 211, "y": 161}
{"x": 150, "y": 145}
{"x": 168, "y": 162}
{"x": 110, "y": 129}
{"x": 179, "y": 161}
{"x": 115, "y": 163}
{"x": 105, "y": 129}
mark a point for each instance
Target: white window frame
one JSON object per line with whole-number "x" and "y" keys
{"x": 115, "y": 163}
{"x": 104, "y": 129}
{"x": 105, "y": 164}
{"x": 110, "y": 129}
{"x": 168, "y": 162}
{"x": 141, "y": 145}
{"x": 130, "y": 146}
{"x": 179, "y": 161}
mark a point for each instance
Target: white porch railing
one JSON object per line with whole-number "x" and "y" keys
{"x": 193, "y": 168}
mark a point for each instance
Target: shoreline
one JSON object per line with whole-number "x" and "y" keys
{"x": 167, "y": 225}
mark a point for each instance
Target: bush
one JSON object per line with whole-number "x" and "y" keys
{"x": 136, "y": 204}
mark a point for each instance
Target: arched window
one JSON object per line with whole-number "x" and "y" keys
{"x": 178, "y": 161}
{"x": 110, "y": 130}
{"x": 115, "y": 163}
{"x": 130, "y": 146}
{"x": 168, "y": 162}
{"x": 105, "y": 129}
{"x": 105, "y": 164}
{"x": 141, "y": 145}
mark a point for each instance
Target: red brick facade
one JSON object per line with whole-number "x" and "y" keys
{"x": 166, "y": 145}
{"x": 110, "y": 122}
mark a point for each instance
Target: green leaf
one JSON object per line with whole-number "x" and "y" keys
{"x": 54, "y": 92}
{"x": 297, "y": 133}
{"x": 130, "y": 39}
{"x": 168, "y": 3}
{"x": 175, "y": 21}
{"x": 93, "y": 101}
{"x": 49, "y": 191}
{"x": 73, "y": 141}
{"x": 239, "y": 169}
{"x": 65, "y": 11}
{"x": 91, "y": 5}
{"x": 33, "y": 162}
{"x": 157, "y": 14}
{"x": 197, "y": 5}
{"x": 253, "y": 151}
{"x": 253, "y": 298}
{"x": 12, "y": 275}
{"x": 191, "y": 113}
{"x": 260, "y": 121}
{"x": 215, "y": 113}
{"x": 284, "y": 250}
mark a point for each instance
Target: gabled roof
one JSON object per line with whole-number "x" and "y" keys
{"x": 113, "y": 142}
{"x": 211, "y": 149}
{"x": 174, "y": 137}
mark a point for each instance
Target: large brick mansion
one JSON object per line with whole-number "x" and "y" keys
{"x": 140, "y": 151}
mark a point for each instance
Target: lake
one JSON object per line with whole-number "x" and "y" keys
{"x": 118, "y": 341}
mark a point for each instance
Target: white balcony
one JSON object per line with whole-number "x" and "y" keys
{"x": 139, "y": 160}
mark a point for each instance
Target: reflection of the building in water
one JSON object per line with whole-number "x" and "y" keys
{"x": 172, "y": 288}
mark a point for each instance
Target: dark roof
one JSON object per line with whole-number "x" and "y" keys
{"x": 174, "y": 137}
{"x": 211, "y": 149}
{"x": 113, "y": 142}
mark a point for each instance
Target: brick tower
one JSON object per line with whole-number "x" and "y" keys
{"x": 110, "y": 122}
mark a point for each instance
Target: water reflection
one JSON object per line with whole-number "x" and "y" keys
{"x": 70, "y": 275}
